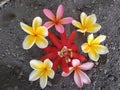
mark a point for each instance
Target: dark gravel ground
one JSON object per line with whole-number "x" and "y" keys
{"x": 14, "y": 60}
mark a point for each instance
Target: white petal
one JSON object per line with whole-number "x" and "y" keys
{"x": 93, "y": 55}
{"x": 86, "y": 66}
{"x": 99, "y": 39}
{"x": 36, "y": 64}
{"x": 90, "y": 38}
{"x": 75, "y": 62}
{"x": 51, "y": 74}
{"x": 34, "y": 75}
{"x": 37, "y": 21}
{"x": 43, "y": 81}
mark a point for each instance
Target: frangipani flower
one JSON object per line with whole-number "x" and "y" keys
{"x": 93, "y": 47}
{"x": 63, "y": 50}
{"x": 56, "y": 20}
{"x": 79, "y": 76}
{"x": 87, "y": 24}
{"x": 37, "y": 34}
{"x": 41, "y": 70}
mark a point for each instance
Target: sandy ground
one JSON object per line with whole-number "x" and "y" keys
{"x": 14, "y": 60}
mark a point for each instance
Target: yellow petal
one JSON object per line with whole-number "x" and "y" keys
{"x": 41, "y": 42}
{"x": 43, "y": 81}
{"x": 93, "y": 55}
{"x": 48, "y": 63}
{"x": 90, "y": 38}
{"x": 51, "y": 74}
{"x": 36, "y": 64}
{"x": 93, "y": 28}
{"x": 34, "y": 75}
{"x": 26, "y": 28}
{"x": 100, "y": 49}
{"x": 83, "y": 17}
{"x": 85, "y": 48}
{"x": 81, "y": 30}
{"x": 76, "y": 23}
{"x": 91, "y": 19}
{"x": 99, "y": 39}
{"x": 37, "y": 21}
{"x": 42, "y": 31}
{"x": 29, "y": 42}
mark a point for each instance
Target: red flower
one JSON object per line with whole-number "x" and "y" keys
{"x": 63, "y": 51}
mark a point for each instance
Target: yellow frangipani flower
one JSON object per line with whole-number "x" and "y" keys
{"x": 93, "y": 47}
{"x": 42, "y": 70}
{"x": 37, "y": 34}
{"x": 87, "y": 24}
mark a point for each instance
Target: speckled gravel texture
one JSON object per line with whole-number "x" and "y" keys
{"x": 14, "y": 60}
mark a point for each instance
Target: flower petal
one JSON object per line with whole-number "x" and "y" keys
{"x": 86, "y": 66}
{"x": 83, "y": 17}
{"x": 35, "y": 64}
{"x": 41, "y": 42}
{"x": 78, "y": 80}
{"x": 64, "y": 74}
{"x": 64, "y": 66}
{"x": 48, "y": 63}
{"x": 48, "y": 24}
{"x": 66, "y": 20}
{"x": 99, "y": 39}
{"x": 43, "y": 81}
{"x": 26, "y": 28}
{"x": 42, "y": 31}
{"x": 94, "y": 28}
{"x": 91, "y": 19}
{"x": 85, "y": 48}
{"x": 29, "y": 42}
{"x": 59, "y": 28}
{"x": 77, "y": 24}
{"x": 75, "y": 62}
{"x": 60, "y": 12}
{"x": 51, "y": 74}
{"x": 49, "y": 14}
{"x": 84, "y": 78}
{"x": 34, "y": 75}
{"x": 100, "y": 49}
{"x": 71, "y": 38}
{"x": 93, "y": 55}
{"x": 37, "y": 21}
{"x": 90, "y": 38}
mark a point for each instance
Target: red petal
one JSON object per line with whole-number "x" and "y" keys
{"x": 50, "y": 49}
{"x": 79, "y": 56}
{"x": 56, "y": 62}
{"x": 64, "y": 66}
{"x": 74, "y": 47}
{"x": 50, "y": 56}
{"x": 54, "y": 39}
{"x": 63, "y": 38}
{"x": 71, "y": 38}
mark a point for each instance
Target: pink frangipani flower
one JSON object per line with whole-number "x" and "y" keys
{"x": 57, "y": 20}
{"x": 79, "y": 76}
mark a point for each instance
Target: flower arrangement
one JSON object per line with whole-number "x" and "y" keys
{"x": 63, "y": 53}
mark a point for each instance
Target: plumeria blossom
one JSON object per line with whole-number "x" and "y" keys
{"x": 87, "y": 24}
{"x": 57, "y": 20}
{"x": 93, "y": 47}
{"x": 42, "y": 70}
{"x": 79, "y": 76}
{"x": 63, "y": 50}
{"x": 37, "y": 34}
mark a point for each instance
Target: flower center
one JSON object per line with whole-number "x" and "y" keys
{"x": 56, "y": 22}
{"x": 65, "y": 53}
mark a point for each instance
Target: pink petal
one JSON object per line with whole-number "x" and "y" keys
{"x": 49, "y": 14}
{"x": 64, "y": 74}
{"x": 78, "y": 80}
{"x": 84, "y": 78}
{"x": 66, "y": 20}
{"x": 75, "y": 62}
{"x": 59, "y": 28}
{"x": 48, "y": 24}
{"x": 86, "y": 66}
{"x": 60, "y": 12}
